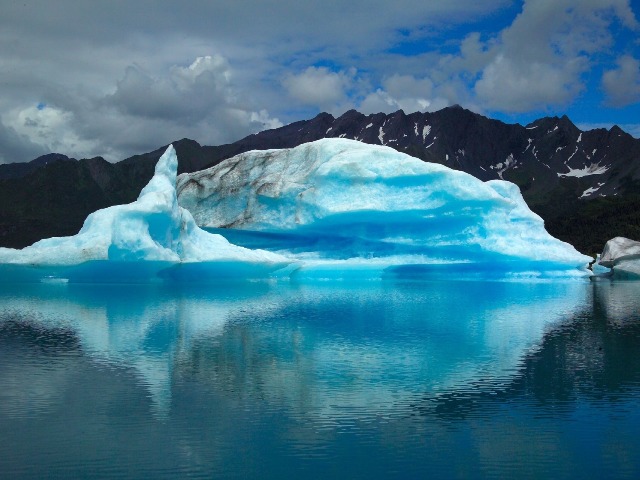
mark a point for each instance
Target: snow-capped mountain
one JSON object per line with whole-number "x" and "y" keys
{"x": 537, "y": 157}
{"x": 585, "y": 184}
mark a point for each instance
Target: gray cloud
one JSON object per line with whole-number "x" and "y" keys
{"x": 404, "y": 92}
{"x": 359, "y": 24}
{"x": 622, "y": 84}
{"x": 319, "y": 86}
{"x": 183, "y": 94}
{"x": 120, "y": 78}
{"x": 511, "y": 85}
{"x": 143, "y": 111}
{"x": 16, "y": 147}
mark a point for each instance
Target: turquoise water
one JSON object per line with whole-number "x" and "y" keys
{"x": 276, "y": 380}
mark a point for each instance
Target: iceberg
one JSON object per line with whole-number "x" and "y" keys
{"x": 338, "y": 206}
{"x": 622, "y": 256}
{"x": 333, "y": 208}
{"x": 152, "y": 238}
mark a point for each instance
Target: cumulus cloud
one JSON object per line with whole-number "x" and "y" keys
{"x": 119, "y": 77}
{"x": 622, "y": 84}
{"x": 319, "y": 86}
{"x": 512, "y": 85}
{"x": 144, "y": 111}
{"x": 185, "y": 94}
{"x": 200, "y": 100}
{"x": 539, "y": 60}
{"x": 404, "y": 92}
{"x": 17, "y": 147}
{"x": 50, "y": 127}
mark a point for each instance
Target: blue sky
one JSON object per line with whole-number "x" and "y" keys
{"x": 119, "y": 78}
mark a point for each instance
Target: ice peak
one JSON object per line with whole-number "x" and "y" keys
{"x": 152, "y": 235}
{"x": 165, "y": 173}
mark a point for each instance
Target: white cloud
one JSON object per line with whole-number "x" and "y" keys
{"x": 319, "y": 86}
{"x": 539, "y": 60}
{"x": 622, "y": 84}
{"x": 403, "y": 92}
{"x": 144, "y": 111}
{"x": 119, "y": 77}
{"x": 115, "y": 72}
{"x": 511, "y": 85}
{"x": 50, "y": 128}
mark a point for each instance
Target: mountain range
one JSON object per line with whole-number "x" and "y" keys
{"x": 584, "y": 184}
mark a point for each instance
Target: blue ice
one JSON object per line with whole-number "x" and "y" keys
{"x": 334, "y": 209}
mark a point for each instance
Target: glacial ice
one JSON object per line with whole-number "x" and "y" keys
{"x": 598, "y": 269}
{"x": 336, "y": 208}
{"x": 148, "y": 239}
{"x": 343, "y": 206}
{"x": 622, "y": 256}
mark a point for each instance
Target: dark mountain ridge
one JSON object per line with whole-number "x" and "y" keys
{"x": 20, "y": 169}
{"x": 586, "y": 185}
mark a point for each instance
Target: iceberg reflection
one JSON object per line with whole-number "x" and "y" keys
{"x": 129, "y": 325}
{"x": 321, "y": 351}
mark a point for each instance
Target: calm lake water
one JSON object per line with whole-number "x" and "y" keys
{"x": 377, "y": 380}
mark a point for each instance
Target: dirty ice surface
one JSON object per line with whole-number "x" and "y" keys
{"x": 340, "y": 207}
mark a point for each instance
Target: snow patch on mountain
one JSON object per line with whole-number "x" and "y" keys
{"x": 593, "y": 169}
{"x": 425, "y": 132}
{"x": 591, "y": 190}
{"x": 504, "y": 166}
{"x": 529, "y": 141}
{"x": 572, "y": 155}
